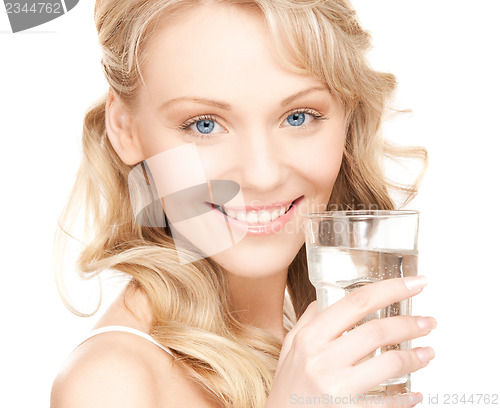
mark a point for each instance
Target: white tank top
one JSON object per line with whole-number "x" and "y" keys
{"x": 125, "y": 329}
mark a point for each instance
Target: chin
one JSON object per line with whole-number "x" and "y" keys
{"x": 253, "y": 258}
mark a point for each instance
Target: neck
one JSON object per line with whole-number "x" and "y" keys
{"x": 259, "y": 301}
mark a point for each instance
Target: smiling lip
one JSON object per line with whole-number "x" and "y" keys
{"x": 260, "y": 220}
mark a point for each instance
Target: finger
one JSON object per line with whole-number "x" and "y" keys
{"x": 363, "y": 340}
{"x": 391, "y": 364}
{"x": 344, "y": 314}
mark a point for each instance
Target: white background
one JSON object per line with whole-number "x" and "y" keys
{"x": 445, "y": 56}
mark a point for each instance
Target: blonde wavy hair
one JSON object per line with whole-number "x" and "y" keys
{"x": 190, "y": 303}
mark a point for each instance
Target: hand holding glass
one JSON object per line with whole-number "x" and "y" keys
{"x": 350, "y": 249}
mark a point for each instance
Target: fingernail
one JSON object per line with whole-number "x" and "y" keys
{"x": 425, "y": 354}
{"x": 427, "y": 323}
{"x": 415, "y": 282}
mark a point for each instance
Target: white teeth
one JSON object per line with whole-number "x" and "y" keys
{"x": 275, "y": 214}
{"x": 252, "y": 218}
{"x": 257, "y": 217}
{"x": 265, "y": 216}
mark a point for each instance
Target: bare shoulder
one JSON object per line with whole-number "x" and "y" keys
{"x": 109, "y": 370}
{"x": 123, "y": 370}
{"x": 120, "y": 369}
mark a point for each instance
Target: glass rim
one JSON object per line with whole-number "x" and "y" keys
{"x": 362, "y": 214}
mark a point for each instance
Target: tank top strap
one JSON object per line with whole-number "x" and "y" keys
{"x": 126, "y": 329}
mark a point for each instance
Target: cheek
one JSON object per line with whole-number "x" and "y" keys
{"x": 327, "y": 164}
{"x": 320, "y": 165}
{"x": 153, "y": 137}
{"x": 219, "y": 159}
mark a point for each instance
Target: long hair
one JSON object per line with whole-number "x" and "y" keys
{"x": 190, "y": 303}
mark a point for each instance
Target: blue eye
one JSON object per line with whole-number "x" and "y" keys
{"x": 205, "y": 126}
{"x": 296, "y": 119}
{"x": 202, "y": 126}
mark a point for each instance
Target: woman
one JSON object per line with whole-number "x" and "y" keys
{"x": 270, "y": 104}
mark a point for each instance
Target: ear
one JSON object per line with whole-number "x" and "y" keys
{"x": 120, "y": 131}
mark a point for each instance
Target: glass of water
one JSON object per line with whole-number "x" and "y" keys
{"x": 350, "y": 249}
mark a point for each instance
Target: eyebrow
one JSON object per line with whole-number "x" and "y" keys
{"x": 290, "y": 99}
{"x": 222, "y": 105}
{"x": 203, "y": 101}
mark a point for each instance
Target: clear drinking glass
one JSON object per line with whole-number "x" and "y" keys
{"x": 350, "y": 249}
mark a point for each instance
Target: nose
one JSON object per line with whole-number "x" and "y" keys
{"x": 262, "y": 164}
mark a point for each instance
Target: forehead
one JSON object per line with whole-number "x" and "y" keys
{"x": 217, "y": 49}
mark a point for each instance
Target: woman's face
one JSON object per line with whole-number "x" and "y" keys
{"x": 213, "y": 79}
